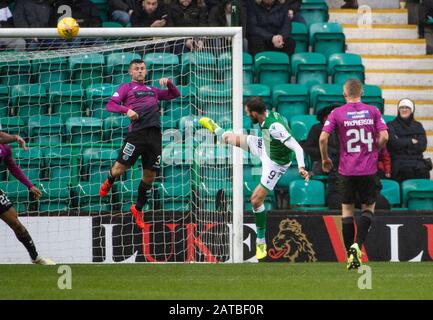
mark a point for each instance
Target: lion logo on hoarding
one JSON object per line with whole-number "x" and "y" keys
{"x": 292, "y": 243}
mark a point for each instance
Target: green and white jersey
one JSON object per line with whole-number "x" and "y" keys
{"x": 275, "y": 132}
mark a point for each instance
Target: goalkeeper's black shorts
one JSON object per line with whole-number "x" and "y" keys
{"x": 5, "y": 203}
{"x": 146, "y": 143}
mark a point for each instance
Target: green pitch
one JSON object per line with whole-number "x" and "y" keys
{"x": 221, "y": 281}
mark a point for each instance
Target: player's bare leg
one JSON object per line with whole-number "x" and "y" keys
{"x": 257, "y": 201}
{"x": 11, "y": 219}
{"x": 144, "y": 191}
{"x": 116, "y": 171}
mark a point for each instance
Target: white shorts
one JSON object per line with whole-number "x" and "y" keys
{"x": 271, "y": 171}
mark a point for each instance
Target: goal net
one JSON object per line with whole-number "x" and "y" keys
{"x": 55, "y": 95}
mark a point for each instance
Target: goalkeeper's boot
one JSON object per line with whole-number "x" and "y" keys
{"x": 105, "y": 188}
{"x": 354, "y": 261}
{"x": 209, "y": 124}
{"x": 44, "y": 261}
{"x": 261, "y": 251}
{"x": 138, "y": 215}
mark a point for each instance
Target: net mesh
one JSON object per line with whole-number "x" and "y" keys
{"x": 55, "y": 98}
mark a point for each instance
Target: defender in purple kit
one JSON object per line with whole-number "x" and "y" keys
{"x": 7, "y": 212}
{"x": 362, "y": 132}
{"x": 140, "y": 103}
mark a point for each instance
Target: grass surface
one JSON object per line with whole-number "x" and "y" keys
{"x": 218, "y": 281}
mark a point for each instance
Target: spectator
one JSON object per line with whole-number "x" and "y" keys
{"x": 294, "y": 11}
{"x": 425, "y": 16}
{"x": 150, "y": 14}
{"x": 6, "y": 21}
{"x": 84, "y": 11}
{"x": 187, "y": 13}
{"x": 350, "y": 4}
{"x": 121, "y": 10}
{"x": 407, "y": 142}
{"x": 221, "y": 14}
{"x": 384, "y": 164}
{"x": 269, "y": 27}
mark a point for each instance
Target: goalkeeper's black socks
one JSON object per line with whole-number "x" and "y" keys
{"x": 27, "y": 241}
{"x": 348, "y": 232}
{"x": 110, "y": 178}
{"x": 363, "y": 227}
{"x": 144, "y": 191}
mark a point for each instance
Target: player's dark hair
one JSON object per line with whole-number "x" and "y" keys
{"x": 135, "y": 61}
{"x": 353, "y": 88}
{"x": 256, "y": 104}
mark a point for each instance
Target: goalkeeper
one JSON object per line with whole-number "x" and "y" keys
{"x": 275, "y": 150}
{"x": 140, "y": 103}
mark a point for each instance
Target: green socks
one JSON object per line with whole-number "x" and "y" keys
{"x": 260, "y": 216}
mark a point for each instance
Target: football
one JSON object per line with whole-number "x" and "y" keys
{"x": 68, "y": 28}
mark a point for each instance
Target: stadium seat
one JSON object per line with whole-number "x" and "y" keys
{"x": 258, "y": 90}
{"x": 373, "y": 96}
{"x": 327, "y": 38}
{"x": 115, "y": 129}
{"x": 215, "y": 101}
{"x": 84, "y": 130}
{"x": 62, "y": 163}
{"x": 56, "y": 197}
{"x": 309, "y": 68}
{"x": 391, "y": 192}
{"x": 15, "y": 72}
{"x": 96, "y": 163}
{"x": 29, "y": 99}
{"x": 300, "y": 35}
{"x": 46, "y": 129}
{"x": 290, "y": 99}
{"x": 181, "y": 106}
{"x": 18, "y": 194}
{"x": 4, "y": 101}
{"x": 50, "y": 71}
{"x": 248, "y": 67}
{"x": 127, "y": 195}
{"x": 199, "y": 68}
{"x": 388, "y": 118}
{"x": 175, "y": 196}
{"x": 162, "y": 65}
{"x": 103, "y": 11}
{"x": 111, "y": 24}
{"x": 212, "y": 179}
{"x": 323, "y": 95}
{"x": 168, "y": 122}
{"x": 66, "y": 100}
{"x": 252, "y": 175}
{"x": 87, "y": 69}
{"x": 417, "y": 194}
{"x": 345, "y": 66}
{"x": 97, "y": 96}
{"x": 118, "y": 65}
{"x": 246, "y": 122}
{"x": 14, "y": 125}
{"x": 301, "y": 125}
{"x": 272, "y": 68}
{"x": 86, "y": 196}
{"x": 31, "y": 162}
{"x": 314, "y": 11}
{"x": 307, "y": 196}
{"x": 291, "y": 174}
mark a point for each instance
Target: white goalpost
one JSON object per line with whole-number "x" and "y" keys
{"x": 55, "y": 97}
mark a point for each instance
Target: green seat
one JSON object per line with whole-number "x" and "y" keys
{"x": 388, "y": 118}
{"x": 4, "y": 101}
{"x": 115, "y": 129}
{"x": 86, "y": 197}
{"x": 213, "y": 100}
{"x": 96, "y": 163}
{"x": 290, "y": 99}
{"x": 50, "y": 71}
{"x": 309, "y": 68}
{"x": 175, "y": 195}
{"x": 162, "y": 65}
{"x": 252, "y": 175}
{"x": 181, "y": 106}
{"x": 199, "y": 68}
{"x": 301, "y": 125}
{"x": 15, "y": 72}
{"x": 118, "y": 65}
{"x": 55, "y": 197}
{"x": 66, "y": 100}
{"x": 300, "y": 35}
{"x": 111, "y": 24}
{"x": 102, "y": 6}
{"x": 417, "y": 194}
{"x": 127, "y": 195}
{"x": 18, "y": 194}
{"x": 272, "y": 68}
{"x": 87, "y": 69}
{"x": 327, "y": 38}
{"x": 307, "y": 196}
{"x": 46, "y": 129}
{"x": 29, "y": 99}
{"x": 62, "y": 164}
{"x": 225, "y": 67}
{"x": 248, "y": 68}
{"x": 323, "y": 95}
{"x": 246, "y": 122}
{"x": 391, "y": 192}
{"x": 258, "y": 90}
{"x": 291, "y": 174}
{"x": 31, "y": 162}
{"x": 13, "y": 125}
{"x": 373, "y": 96}
{"x": 97, "y": 96}
{"x": 345, "y": 66}
{"x": 83, "y": 130}
{"x": 314, "y": 11}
